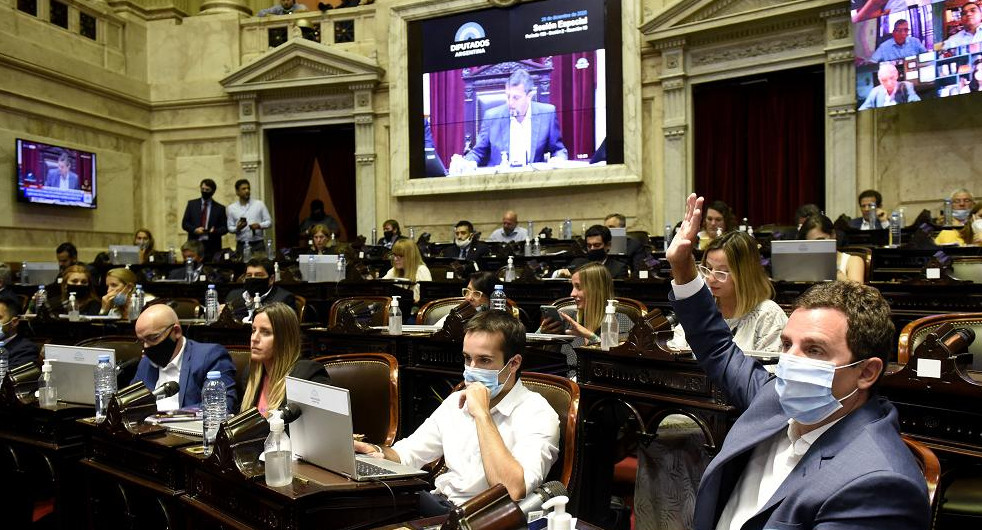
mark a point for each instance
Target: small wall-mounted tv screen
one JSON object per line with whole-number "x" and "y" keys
{"x": 913, "y": 50}
{"x": 532, "y": 87}
{"x": 48, "y": 174}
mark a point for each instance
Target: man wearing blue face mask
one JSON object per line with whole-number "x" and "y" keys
{"x": 493, "y": 431}
{"x": 812, "y": 445}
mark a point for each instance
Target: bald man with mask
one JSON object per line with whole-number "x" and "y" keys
{"x": 170, "y": 356}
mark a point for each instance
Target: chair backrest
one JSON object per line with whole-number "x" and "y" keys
{"x": 866, "y": 254}
{"x": 564, "y": 396}
{"x": 372, "y": 380}
{"x": 241, "y": 356}
{"x": 967, "y": 268}
{"x": 914, "y": 333}
{"x": 301, "y": 304}
{"x": 432, "y": 312}
{"x": 930, "y": 466}
{"x": 379, "y": 314}
{"x": 633, "y": 309}
{"x": 184, "y": 307}
{"x": 127, "y": 348}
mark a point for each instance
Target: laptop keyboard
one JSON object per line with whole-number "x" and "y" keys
{"x": 366, "y": 469}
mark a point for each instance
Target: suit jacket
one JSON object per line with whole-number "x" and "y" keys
{"x": 496, "y": 132}
{"x": 276, "y": 294}
{"x": 53, "y": 179}
{"x": 476, "y": 250}
{"x": 858, "y": 474}
{"x": 616, "y": 267}
{"x": 20, "y": 351}
{"x": 199, "y": 359}
{"x": 217, "y": 220}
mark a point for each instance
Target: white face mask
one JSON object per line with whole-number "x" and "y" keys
{"x": 977, "y": 226}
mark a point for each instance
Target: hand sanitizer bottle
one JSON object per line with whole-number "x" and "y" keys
{"x": 279, "y": 453}
{"x": 395, "y": 317}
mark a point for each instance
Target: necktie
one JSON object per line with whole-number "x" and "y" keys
{"x": 204, "y": 214}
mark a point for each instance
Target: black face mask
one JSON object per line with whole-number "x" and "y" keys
{"x": 387, "y": 234}
{"x": 256, "y": 285}
{"x": 161, "y": 353}
{"x": 79, "y": 290}
{"x": 597, "y": 254}
{"x": 207, "y": 195}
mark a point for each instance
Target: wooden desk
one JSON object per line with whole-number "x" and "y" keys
{"x": 435, "y": 523}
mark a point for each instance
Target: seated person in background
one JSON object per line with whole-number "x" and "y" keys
{"x": 285, "y": 7}
{"x": 509, "y": 231}
{"x": 493, "y": 431}
{"x": 637, "y": 251}
{"x": 869, "y": 199}
{"x": 67, "y": 255}
{"x": 597, "y": 247}
{"x": 465, "y": 246}
{"x": 866, "y": 9}
{"x": 899, "y": 46}
{"x": 592, "y": 287}
{"x": 970, "y": 234}
{"x": 6, "y": 281}
{"x": 477, "y": 293}
{"x": 719, "y": 220}
{"x": 318, "y": 217}
{"x": 743, "y": 293}
{"x": 805, "y": 211}
{"x": 144, "y": 239}
{"x": 971, "y": 19}
{"x": 169, "y": 356}
{"x": 195, "y": 251}
{"x": 962, "y": 202}
{"x": 890, "y": 91}
{"x": 76, "y": 279}
{"x": 848, "y": 266}
{"x": 19, "y": 350}
{"x": 390, "y": 233}
{"x": 275, "y": 354}
{"x": 523, "y": 130}
{"x": 258, "y": 278}
{"x": 408, "y": 263}
{"x": 320, "y": 237}
{"x": 120, "y": 283}
{"x": 814, "y": 446}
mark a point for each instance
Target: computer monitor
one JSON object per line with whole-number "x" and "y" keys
{"x": 316, "y": 268}
{"x": 39, "y": 272}
{"x": 799, "y": 260}
{"x": 73, "y": 368}
{"x": 124, "y": 254}
{"x": 618, "y": 240}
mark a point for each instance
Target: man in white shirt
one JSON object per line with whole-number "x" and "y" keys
{"x": 494, "y": 431}
{"x": 814, "y": 444}
{"x": 248, "y": 218}
{"x": 971, "y": 19}
{"x": 509, "y": 231}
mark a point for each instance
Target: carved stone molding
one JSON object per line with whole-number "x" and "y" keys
{"x": 772, "y": 46}
{"x": 324, "y": 104}
{"x": 834, "y": 12}
{"x": 842, "y": 111}
{"x": 840, "y": 56}
{"x": 729, "y": 7}
{"x": 365, "y": 159}
{"x": 250, "y": 165}
{"x": 299, "y": 69}
{"x": 668, "y": 44}
{"x": 674, "y": 83}
{"x": 675, "y": 132}
{"x": 364, "y": 119}
{"x": 839, "y": 30}
{"x": 247, "y": 127}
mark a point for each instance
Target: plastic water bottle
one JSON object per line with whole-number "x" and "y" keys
{"x": 510, "y": 270}
{"x": 871, "y": 217}
{"x": 105, "y": 386}
{"x": 276, "y": 272}
{"x": 412, "y": 233}
{"x": 270, "y": 251}
{"x": 395, "y": 317}
{"x": 668, "y": 236}
{"x": 279, "y": 453}
{"x": 498, "y": 299}
{"x": 136, "y": 302}
{"x": 246, "y": 251}
{"x": 211, "y": 304}
{"x": 40, "y": 298}
{"x": 47, "y": 392}
{"x": 895, "y": 229}
{"x": 4, "y": 359}
{"x": 115, "y": 260}
{"x": 948, "y": 217}
{"x": 536, "y": 248}
{"x": 214, "y": 408}
{"x": 610, "y": 329}
{"x": 528, "y": 247}
{"x": 568, "y": 228}
{"x": 73, "y": 314}
{"x": 342, "y": 267}
{"x": 374, "y": 240}
{"x": 189, "y": 270}
{"x": 25, "y": 277}
{"x": 311, "y": 269}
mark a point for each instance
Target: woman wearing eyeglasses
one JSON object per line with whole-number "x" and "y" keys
{"x": 848, "y": 266}
{"x": 732, "y": 270}
{"x": 408, "y": 263}
{"x": 477, "y": 293}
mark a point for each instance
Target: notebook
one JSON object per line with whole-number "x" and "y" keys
{"x": 74, "y": 371}
{"x": 322, "y": 435}
{"x": 797, "y": 260}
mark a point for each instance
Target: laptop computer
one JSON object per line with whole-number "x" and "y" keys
{"x": 618, "y": 240}
{"x": 40, "y": 272}
{"x": 74, "y": 370}
{"x": 325, "y": 268}
{"x": 322, "y": 435}
{"x": 434, "y": 165}
{"x": 124, "y": 254}
{"x": 798, "y": 260}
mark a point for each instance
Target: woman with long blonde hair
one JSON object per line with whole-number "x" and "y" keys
{"x": 275, "y": 354}
{"x": 408, "y": 263}
{"x": 592, "y": 287}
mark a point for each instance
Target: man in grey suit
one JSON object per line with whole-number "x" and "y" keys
{"x": 815, "y": 446}
{"x": 62, "y": 176}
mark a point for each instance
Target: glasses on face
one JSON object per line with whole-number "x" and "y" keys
{"x": 155, "y": 337}
{"x": 465, "y": 292}
{"x": 706, "y": 272}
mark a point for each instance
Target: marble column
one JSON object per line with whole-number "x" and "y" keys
{"x": 209, "y": 7}
{"x": 365, "y": 156}
{"x": 840, "y": 118}
{"x": 250, "y": 155}
{"x": 675, "y": 128}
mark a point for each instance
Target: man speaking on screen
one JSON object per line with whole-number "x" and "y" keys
{"x": 522, "y": 131}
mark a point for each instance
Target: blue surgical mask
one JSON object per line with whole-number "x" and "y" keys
{"x": 119, "y": 300}
{"x": 961, "y": 215}
{"x": 804, "y": 388}
{"x": 488, "y": 378}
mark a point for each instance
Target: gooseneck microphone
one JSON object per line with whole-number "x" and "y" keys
{"x": 533, "y": 501}
{"x": 166, "y": 390}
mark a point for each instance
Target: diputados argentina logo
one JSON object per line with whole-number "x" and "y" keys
{"x": 470, "y": 39}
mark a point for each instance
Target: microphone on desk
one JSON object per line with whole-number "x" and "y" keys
{"x": 533, "y": 502}
{"x": 957, "y": 341}
{"x": 123, "y": 366}
{"x": 166, "y": 390}
{"x": 290, "y": 412}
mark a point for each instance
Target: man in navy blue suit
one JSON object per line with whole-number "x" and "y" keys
{"x": 205, "y": 220}
{"x": 814, "y": 446}
{"x": 169, "y": 356}
{"x": 62, "y": 175}
{"x": 525, "y": 130}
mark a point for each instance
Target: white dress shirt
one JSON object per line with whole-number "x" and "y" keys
{"x": 520, "y": 139}
{"x": 171, "y": 372}
{"x": 526, "y": 422}
{"x": 254, "y": 211}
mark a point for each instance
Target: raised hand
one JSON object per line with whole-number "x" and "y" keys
{"x": 679, "y": 253}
